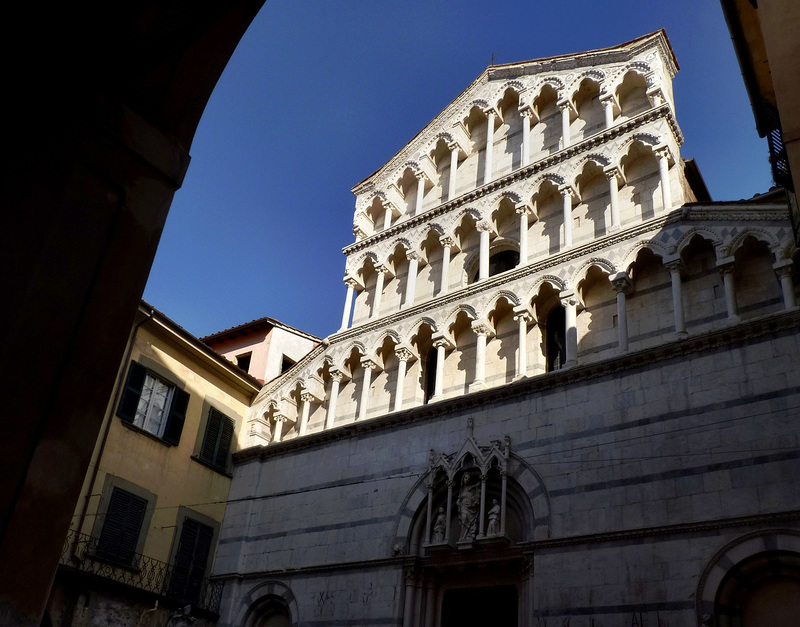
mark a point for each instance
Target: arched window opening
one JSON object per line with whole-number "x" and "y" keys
{"x": 429, "y": 374}
{"x": 556, "y": 339}
{"x": 499, "y": 262}
{"x": 271, "y": 610}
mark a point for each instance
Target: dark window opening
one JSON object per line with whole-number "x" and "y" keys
{"x": 500, "y": 262}
{"x": 286, "y": 363}
{"x": 429, "y": 373}
{"x": 556, "y": 339}
{"x": 243, "y": 361}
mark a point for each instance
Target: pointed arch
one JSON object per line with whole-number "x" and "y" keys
{"x": 450, "y": 318}
{"x": 706, "y": 233}
{"x": 598, "y": 262}
{"x": 762, "y": 235}
{"x": 513, "y": 299}
{"x": 632, "y": 253}
{"x": 414, "y": 328}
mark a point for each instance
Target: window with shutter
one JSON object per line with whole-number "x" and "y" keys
{"x": 153, "y": 404}
{"x": 191, "y": 562}
{"x": 217, "y": 439}
{"x": 121, "y": 527}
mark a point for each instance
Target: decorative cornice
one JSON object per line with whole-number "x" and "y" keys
{"x": 664, "y": 111}
{"x": 743, "y": 331}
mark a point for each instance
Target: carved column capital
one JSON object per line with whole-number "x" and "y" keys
{"x": 783, "y": 268}
{"x": 675, "y": 265}
{"x": 567, "y": 191}
{"x": 369, "y": 363}
{"x": 403, "y": 354}
{"x": 306, "y": 397}
{"x": 523, "y": 209}
{"x": 527, "y": 111}
{"x": 484, "y": 226}
{"x": 663, "y": 152}
{"x": 621, "y": 282}
{"x": 447, "y": 241}
{"x": 568, "y": 298}
{"x": 726, "y": 265}
{"x": 337, "y": 375}
{"x": 613, "y": 172}
{"x": 482, "y": 327}
{"x": 351, "y": 281}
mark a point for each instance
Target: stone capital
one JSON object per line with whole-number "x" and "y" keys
{"x": 726, "y": 265}
{"x": 306, "y": 397}
{"x": 484, "y": 226}
{"x": 675, "y": 265}
{"x": 441, "y": 341}
{"x": 568, "y": 298}
{"x": 403, "y": 353}
{"x": 566, "y": 103}
{"x": 662, "y": 151}
{"x": 527, "y": 111}
{"x": 491, "y": 112}
{"x": 523, "y": 208}
{"x": 783, "y": 267}
{"x": 447, "y": 241}
{"x": 369, "y": 363}
{"x": 621, "y": 282}
{"x": 482, "y": 327}
{"x": 523, "y": 312}
{"x": 337, "y": 375}
{"x": 351, "y": 281}
{"x": 613, "y": 172}
{"x": 383, "y": 269}
{"x": 568, "y": 191}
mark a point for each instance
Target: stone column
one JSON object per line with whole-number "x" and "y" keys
{"x": 504, "y": 480}
{"x": 726, "y": 269}
{"x": 570, "y": 303}
{"x": 348, "y": 303}
{"x": 411, "y": 279}
{"x": 564, "y": 105}
{"x": 387, "y": 217}
{"x": 481, "y": 522}
{"x": 487, "y": 171}
{"x": 408, "y": 602}
{"x": 451, "y": 188}
{"x": 675, "y": 268}
{"x": 482, "y": 331}
{"x": 527, "y": 115}
{"x": 381, "y": 272}
{"x": 279, "y": 420}
{"x": 450, "y": 484}
{"x": 305, "y": 397}
{"x": 336, "y": 379}
{"x": 522, "y": 212}
{"x": 447, "y": 243}
{"x": 430, "y": 601}
{"x": 522, "y": 316}
{"x": 483, "y": 255}
{"x": 566, "y": 195}
{"x": 441, "y": 344}
{"x": 368, "y": 365}
{"x": 613, "y": 192}
{"x": 403, "y": 357}
{"x": 663, "y": 171}
{"x": 608, "y": 111}
{"x": 420, "y": 192}
{"x": 783, "y": 270}
{"x": 621, "y": 284}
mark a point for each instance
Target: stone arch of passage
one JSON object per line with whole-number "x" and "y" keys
{"x": 743, "y": 563}
{"x": 528, "y": 501}
{"x": 267, "y": 602}
{"x": 760, "y": 235}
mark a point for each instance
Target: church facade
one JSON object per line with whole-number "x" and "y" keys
{"x": 564, "y": 387}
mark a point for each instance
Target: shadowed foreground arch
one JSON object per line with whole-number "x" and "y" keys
{"x": 101, "y": 138}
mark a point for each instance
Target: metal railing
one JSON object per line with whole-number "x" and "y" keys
{"x": 80, "y": 553}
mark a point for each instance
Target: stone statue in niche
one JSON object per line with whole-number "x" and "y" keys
{"x": 468, "y": 502}
{"x": 439, "y": 527}
{"x": 493, "y": 528}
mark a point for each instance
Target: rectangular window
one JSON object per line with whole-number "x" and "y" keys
{"x": 153, "y": 404}
{"x": 191, "y": 561}
{"x": 217, "y": 439}
{"x": 121, "y": 527}
{"x": 243, "y": 361}
{"x": 286, "y": 363}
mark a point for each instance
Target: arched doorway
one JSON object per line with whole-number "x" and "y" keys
{"x": 760, "y": 591}
{"x": 495, "y": 606}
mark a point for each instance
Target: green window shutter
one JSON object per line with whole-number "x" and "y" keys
{"x": 217, "y": 439}
{"x": 211, "y": 437}
{"x": 224, "y": 448}
{"x": 131, "y": 392}
{"x": 121, "y": 527}
{"x": 177, "y": 415}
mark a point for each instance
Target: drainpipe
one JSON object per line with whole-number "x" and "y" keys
{"x": 114, "y": 403}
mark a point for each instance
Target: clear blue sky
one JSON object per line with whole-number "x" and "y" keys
{"x": 320, "y": 93}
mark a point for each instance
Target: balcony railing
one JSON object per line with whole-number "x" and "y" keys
{"x": 144, "y": 573}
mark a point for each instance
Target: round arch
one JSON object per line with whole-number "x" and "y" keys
{"x": 269, "y": 604}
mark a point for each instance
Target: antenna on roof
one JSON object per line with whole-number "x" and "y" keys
{"x": 491, "y": 61}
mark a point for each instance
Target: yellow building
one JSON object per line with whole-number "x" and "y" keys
{"x": 145, "y": 528}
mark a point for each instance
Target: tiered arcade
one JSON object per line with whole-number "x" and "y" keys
{"x": 578, "y": 235}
